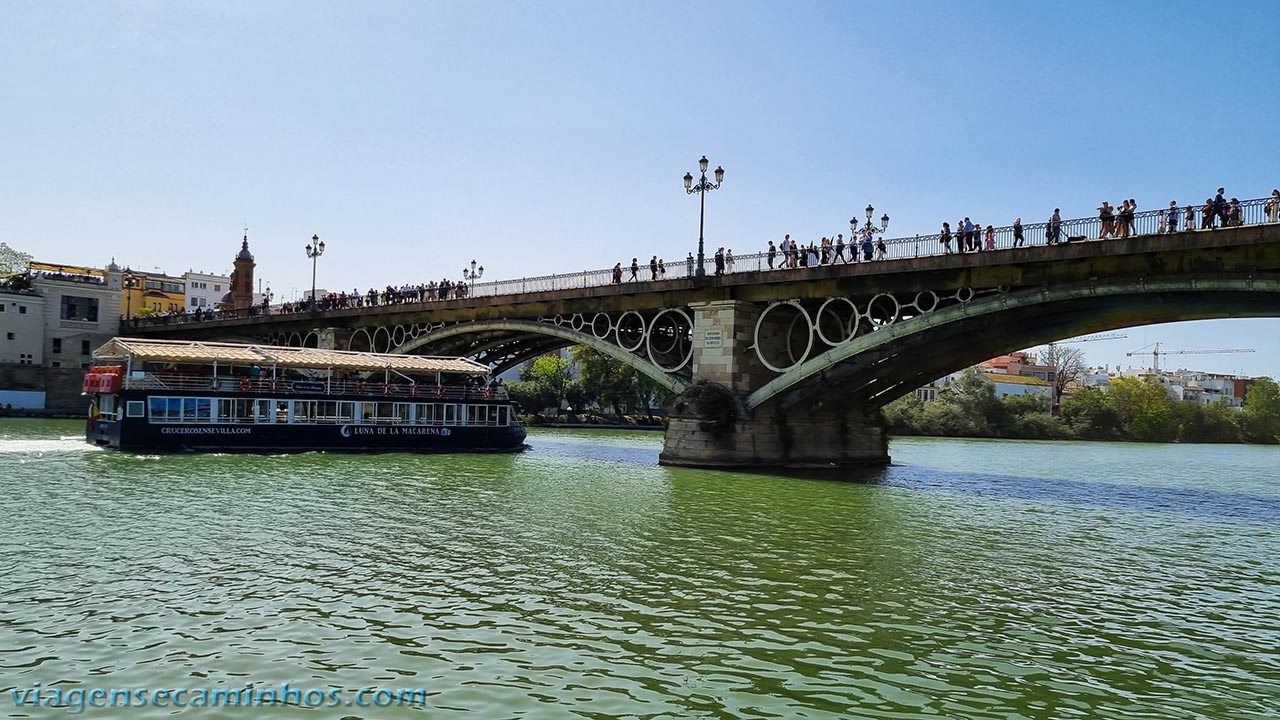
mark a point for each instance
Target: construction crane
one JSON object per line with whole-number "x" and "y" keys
{"x": 1088, "y": 338}
{"x": 1157, "y": 352}
{"x": 1091, "y": 338}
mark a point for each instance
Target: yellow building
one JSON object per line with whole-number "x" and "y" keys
{"x": 145, "y": 293}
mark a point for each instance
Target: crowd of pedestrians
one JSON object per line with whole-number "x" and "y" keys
{"x": 869, "y": 245}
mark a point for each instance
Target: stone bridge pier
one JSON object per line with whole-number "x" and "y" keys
{"x": 711, "y": 424}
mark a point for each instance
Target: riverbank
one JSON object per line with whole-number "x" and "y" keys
{"x": 42, "y": 414}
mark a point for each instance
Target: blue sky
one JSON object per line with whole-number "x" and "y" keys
{"x": 552, "y": 136}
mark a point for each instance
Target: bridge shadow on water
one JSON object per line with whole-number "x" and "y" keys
{"x": 1192, "y": 502}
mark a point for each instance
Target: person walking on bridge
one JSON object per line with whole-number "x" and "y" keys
{"x": 688, "y": 266}
{"x": 1171, "y": 217}
{"x": 1017, "y": 232}
{"x": 1272, "y": 207}
{"x": 635, "y": 271}
{"x": 653, "y": 268}
{"x": 839, "y": 255}
{"x": 771, "y": 254}
{"x": 1053, "y": 230}
{"x": 944, "y": 237}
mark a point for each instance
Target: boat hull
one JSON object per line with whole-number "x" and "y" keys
{"x": 146, "y": 437}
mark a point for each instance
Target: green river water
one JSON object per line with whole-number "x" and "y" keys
{"x": 972, "y": 579}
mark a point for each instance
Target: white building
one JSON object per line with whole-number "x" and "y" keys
{"x": 81, "y": 312}
{"x": 1005, "y": 385}
{"x": 205, "y": 290}
{"x": 22, "y": 324}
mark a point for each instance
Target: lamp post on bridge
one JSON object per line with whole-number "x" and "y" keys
{"x": 474, "y": 274}
{"x": 314, "y": 251}
{"x": 703, "y": 187}
{"x": 853, "y": 224}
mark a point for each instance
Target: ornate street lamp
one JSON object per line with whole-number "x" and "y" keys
{"x": 130, "y": 284}
{"x": 474, "y": 274}
{"x": 884, "y": 223}
{"x": 314, "y": 251}
{"x": 702, "y": 187}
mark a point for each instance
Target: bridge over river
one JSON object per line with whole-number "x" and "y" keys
{"x": 791, "y": 366}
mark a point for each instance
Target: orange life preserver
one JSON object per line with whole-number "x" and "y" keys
{"x": 390, "y": 389}
{"x": 488, "y": 392}
{"x": 439, "y": 391}
{"x": 246, "y": 384}
{"x": 359, "y": 388}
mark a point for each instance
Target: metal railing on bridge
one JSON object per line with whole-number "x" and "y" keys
{"x": 1146, "y": 223}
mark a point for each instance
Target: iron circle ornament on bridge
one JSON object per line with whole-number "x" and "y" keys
{"x": 780, "y": 338}
{"x": 830, "y": 316}
{"x": 382, "y": 339}
{"x": 883, "y": 310}
{"x": 398, "y": 335}
{"x": 671, "y": 331}
{"x": 964, "y": 295}
{"x": 577, "y": 322}
{"x": 926, "y": 301}
{"x": 601, "y": 325}
{"x": 630, "y": 331}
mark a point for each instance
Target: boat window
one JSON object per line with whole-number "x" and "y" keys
{"x": 135, "y": 408}
{"x": 427, "y": 413}
{"x": 450, "y": 414}
{"x": 188, "y": 409}
{"x": 401, "y": 412}
{"x": 204, "y": 406}
{"x": 159, "y": 408}
{"x": 346, "y": 411}
{"x": 492, "y": 418}
{"x": 304, "y": 411}
{"x": 473, "y": 414}
{"x": 326, "y": 410}
{"x": 262, "y": 411}
{"x": 175, "y": 409}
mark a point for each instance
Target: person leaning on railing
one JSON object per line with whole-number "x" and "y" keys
{"x": 1272, "y": 208}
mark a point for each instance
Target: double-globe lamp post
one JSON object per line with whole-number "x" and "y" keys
{"x": 853, "y": 224}
{"x": 314, "y": 251}
{"x": 703, "y": 187}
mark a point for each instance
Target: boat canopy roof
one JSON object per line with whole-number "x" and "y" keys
{"x": 197, "y": 352}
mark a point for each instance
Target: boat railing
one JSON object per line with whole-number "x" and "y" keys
{"x": 418, "y": 392}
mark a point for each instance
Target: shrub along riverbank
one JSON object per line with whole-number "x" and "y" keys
{"x": 1130, "y": 409}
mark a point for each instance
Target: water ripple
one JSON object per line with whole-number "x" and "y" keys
{"x": 581, "y": 580}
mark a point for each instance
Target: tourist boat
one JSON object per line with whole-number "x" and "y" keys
{"x": 177, "y": 395}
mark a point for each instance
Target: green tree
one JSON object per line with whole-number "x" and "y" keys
{"x": 975, "y": 397}
{"x": 1199, "y": 423}
{"x": 1088, "y": 414}
{"x": 12, "y": 262}
{"x": 545, "y": 382}
{"x": 1028, "y": 416}
{"x": 615, "y": 384}
{"x": 1145, "y": 409}
{"x": 1260, "y": 421}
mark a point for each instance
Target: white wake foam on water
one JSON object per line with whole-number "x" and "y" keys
{"x": 40, "y": 446}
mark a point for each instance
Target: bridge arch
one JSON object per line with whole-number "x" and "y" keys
{"x": 563, "y": 335}
{"x": 878, "y": 367}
